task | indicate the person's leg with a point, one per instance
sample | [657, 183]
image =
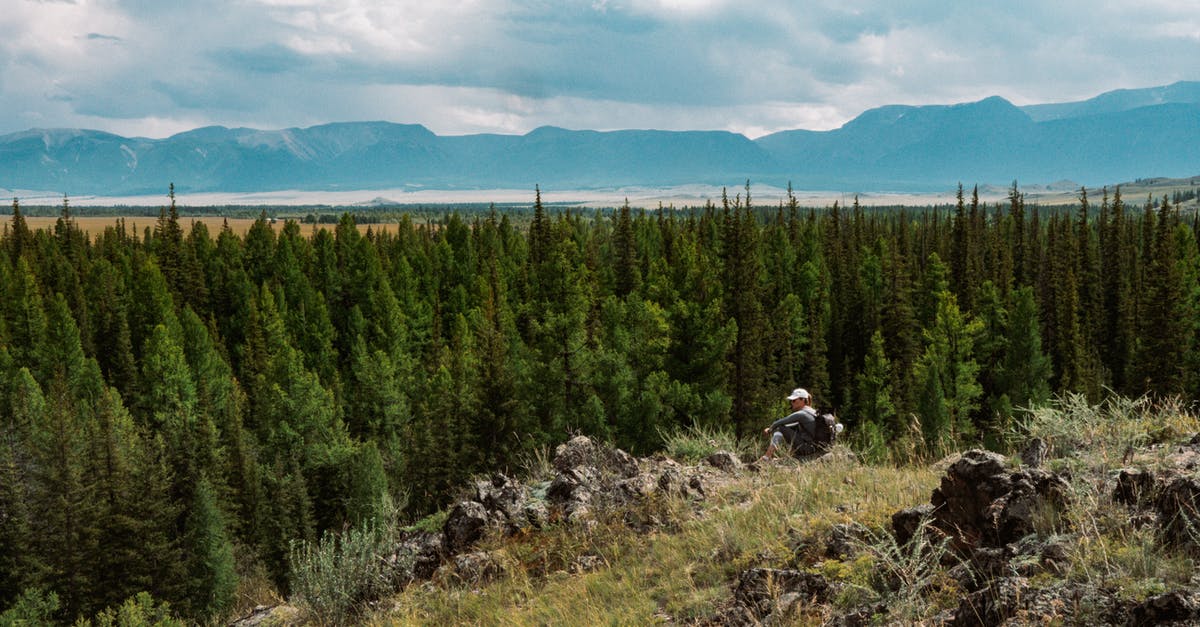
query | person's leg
[776, 440]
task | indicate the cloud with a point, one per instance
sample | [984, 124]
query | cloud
[513, 65]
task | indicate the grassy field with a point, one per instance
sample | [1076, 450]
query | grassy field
[95, 225]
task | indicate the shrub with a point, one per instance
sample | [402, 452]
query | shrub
[334, 577]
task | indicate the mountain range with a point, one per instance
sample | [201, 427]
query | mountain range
[1116, 136]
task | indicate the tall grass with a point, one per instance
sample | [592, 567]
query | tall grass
[697, 442]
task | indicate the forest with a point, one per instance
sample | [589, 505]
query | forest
[181, 409]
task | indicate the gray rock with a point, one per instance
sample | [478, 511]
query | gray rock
[1180, 607]
[477, 568]
[416, 557]
[1134, 486]
[724, 460]
[270, 616]
[1034, 453]
[759, 589]
[465, 525]
[585, 564]
[980, 503]
[1177, 502]
[906, 522]
[670, 482]
[576, 452]
[841, 540]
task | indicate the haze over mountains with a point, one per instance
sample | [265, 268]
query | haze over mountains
[1114, 137]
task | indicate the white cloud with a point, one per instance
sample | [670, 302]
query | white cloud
[150, 68]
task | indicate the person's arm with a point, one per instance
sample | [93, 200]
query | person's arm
[786, 420]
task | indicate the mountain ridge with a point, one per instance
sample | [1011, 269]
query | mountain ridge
[1120, 135]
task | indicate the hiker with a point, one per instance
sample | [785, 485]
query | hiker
[798, 424]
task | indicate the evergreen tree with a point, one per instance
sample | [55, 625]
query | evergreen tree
[212, 579]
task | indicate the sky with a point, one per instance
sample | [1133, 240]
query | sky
[153, 68]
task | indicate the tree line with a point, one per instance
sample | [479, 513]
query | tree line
[177, 407]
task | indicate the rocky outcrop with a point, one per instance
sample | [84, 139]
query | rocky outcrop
[763, 592]
[471, 569]
[1168, 496]
[1173, 608]
[589, 477]
[270, 616]
[981, 503]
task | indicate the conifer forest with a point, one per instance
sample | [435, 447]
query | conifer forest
[180, 408]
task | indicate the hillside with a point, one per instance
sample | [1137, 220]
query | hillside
[1090, 524]
[1113, 137]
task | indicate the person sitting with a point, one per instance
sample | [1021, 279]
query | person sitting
[796, 428]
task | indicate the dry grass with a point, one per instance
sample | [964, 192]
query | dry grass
[95, 225]
[681, 575]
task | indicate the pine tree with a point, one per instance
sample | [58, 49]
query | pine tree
[949, 357]
[212, 579]
[1163, 331]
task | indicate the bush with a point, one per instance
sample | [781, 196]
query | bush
[137, 611]
[334, 577]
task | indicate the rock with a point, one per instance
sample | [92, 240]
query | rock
[724, 460]
[840, 544]
[1178, 607]
[759, 589]
[576, 452]
[1133, 486]
[269, 616]
[1033, 493]
[585, 564]
[536, 514]
[906, 522]
[477, 568]
[569, 493]
[465, 525]
[638, 487]
[505, 500]
[1034, 453]
[980, 503]
[1177, 502]
[991, 605]
[670, 482]
[581, 451]
[967, 491]
[416, 557]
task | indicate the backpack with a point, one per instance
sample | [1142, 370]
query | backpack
[824, 431]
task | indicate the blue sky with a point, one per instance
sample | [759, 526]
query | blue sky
[154, 68]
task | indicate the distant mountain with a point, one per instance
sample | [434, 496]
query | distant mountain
[1116, 136]
[1183, 92]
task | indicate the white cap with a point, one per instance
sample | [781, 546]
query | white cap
[798, 393]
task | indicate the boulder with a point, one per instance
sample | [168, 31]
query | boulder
[980, 503]
[1177, 607]
[724, 460]
[841, 541]
[1177, 502]
[416, 557]
[580, 451]
[510, 504]
[270, 616]
[464, 526]
[476, 568]
[1133, 486]
[576, 452]
[906, 522]
[759, 590]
